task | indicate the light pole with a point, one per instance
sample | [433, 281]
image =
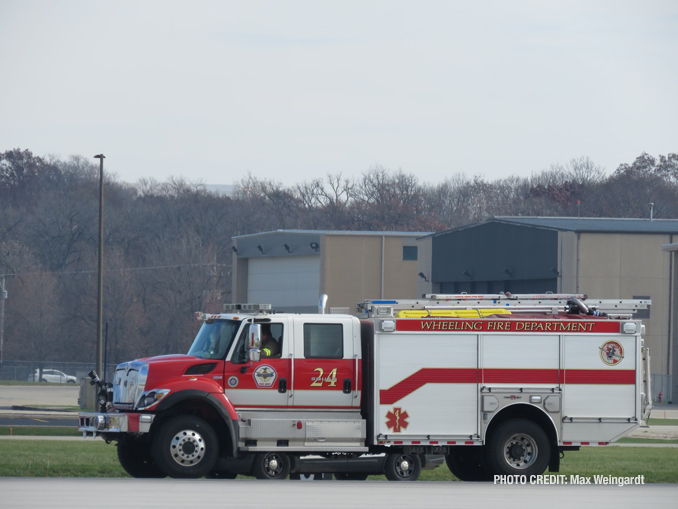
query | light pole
[100, 296]
[3, 296]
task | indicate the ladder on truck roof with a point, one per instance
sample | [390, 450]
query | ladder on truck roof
[548, 303]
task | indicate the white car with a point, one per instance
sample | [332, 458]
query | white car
[52, 375]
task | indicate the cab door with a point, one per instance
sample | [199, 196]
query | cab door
[263, 384]
[325, 365]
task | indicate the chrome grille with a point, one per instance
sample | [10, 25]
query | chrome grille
[129, 383]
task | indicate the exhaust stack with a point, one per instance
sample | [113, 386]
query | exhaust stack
[322, 302]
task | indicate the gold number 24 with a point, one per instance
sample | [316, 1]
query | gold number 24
[331, 378]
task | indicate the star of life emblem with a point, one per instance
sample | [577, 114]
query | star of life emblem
[396, 419]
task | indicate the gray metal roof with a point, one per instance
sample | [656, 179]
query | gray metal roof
[584, 224]
[596, 224]
[338, 232]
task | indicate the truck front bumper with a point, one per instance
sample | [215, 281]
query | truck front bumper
[91, 423]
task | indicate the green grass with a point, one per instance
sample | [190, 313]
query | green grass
[26, 458]
[65, 431]
[658, 465]
[662, 422]
[95, 458]
[627, 440]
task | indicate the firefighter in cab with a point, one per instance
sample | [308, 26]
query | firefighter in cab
[269, 345]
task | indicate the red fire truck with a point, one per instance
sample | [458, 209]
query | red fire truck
[497, 384]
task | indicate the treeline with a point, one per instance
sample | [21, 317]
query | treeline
[168, 244]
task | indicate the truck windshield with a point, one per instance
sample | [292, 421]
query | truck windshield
[214, 339]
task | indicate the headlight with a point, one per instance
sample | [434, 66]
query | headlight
[150, 398]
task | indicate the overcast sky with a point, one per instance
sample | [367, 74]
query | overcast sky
[293, 90]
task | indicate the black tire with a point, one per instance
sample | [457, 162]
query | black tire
[271, 465]
[518, 447]
[221, 474]
[135, 457]
[352, 476]
[468, 464]
[402, 467]
[70, 382]
[43, 380]
[185, 447]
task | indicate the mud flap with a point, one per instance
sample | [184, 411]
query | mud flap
[554, 462]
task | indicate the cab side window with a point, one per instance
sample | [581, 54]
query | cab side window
[323, 340]
[241, 350]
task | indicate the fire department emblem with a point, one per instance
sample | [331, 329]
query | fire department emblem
[611, 353]
[233, 381]
[396, 419]
[265, 376]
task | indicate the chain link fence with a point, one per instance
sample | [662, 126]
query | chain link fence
[25, 370]
[661, 383]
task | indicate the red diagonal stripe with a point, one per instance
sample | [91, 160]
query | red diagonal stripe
[427, 376]
[507, 376]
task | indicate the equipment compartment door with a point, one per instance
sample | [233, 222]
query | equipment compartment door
[428, 384]
[324, 365]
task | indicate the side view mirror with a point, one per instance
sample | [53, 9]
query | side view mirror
[255, 342]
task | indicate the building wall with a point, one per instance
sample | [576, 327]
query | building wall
[567, 262]
[239, 279]
[351, 269]
[485, 251]
[425, 266]
[623, 266]
[400, 276]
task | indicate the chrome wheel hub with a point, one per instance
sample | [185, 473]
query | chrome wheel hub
[404, 466]
[520, 451]
[187, 447]
[273, 465]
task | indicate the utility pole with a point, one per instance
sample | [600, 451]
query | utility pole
[100, 296]
[3, 296]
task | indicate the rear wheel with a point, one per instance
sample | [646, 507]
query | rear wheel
[186, 447]
[135, 457]
[468, 464]
[518, 447]
[271, 465]
[402, 467]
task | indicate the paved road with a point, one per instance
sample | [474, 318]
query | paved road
[104, 493]
[43, 395]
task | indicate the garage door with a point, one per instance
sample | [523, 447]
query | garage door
[284, 282]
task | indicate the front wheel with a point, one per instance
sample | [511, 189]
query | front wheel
[186, 447]
[402, 467]
[271, 465]
[135, 458]
[518, 447]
